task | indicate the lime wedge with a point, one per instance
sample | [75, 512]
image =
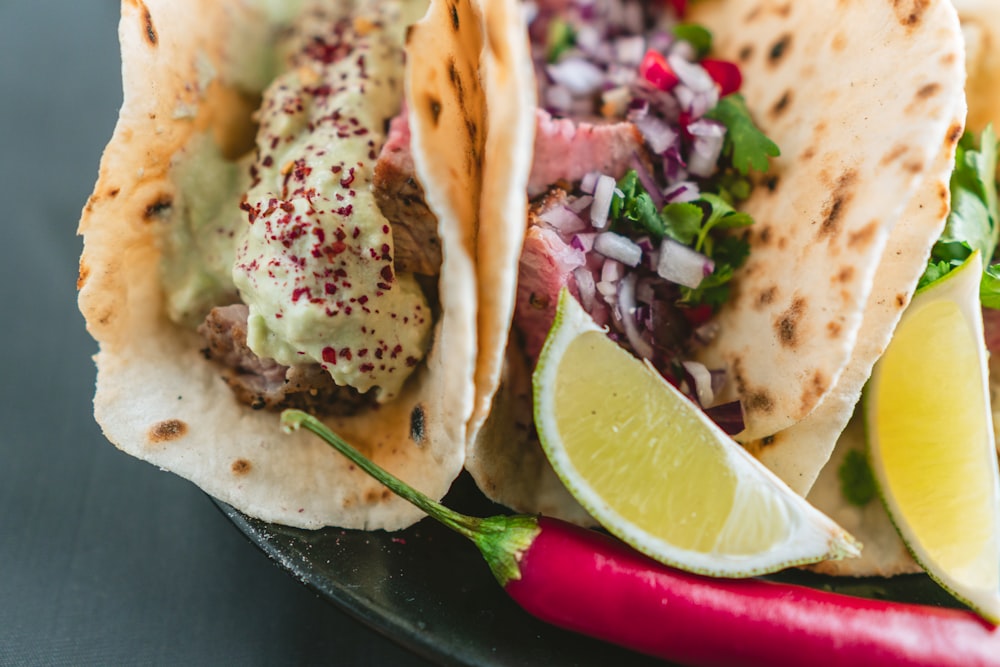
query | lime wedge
[659, 474]
[930, 438]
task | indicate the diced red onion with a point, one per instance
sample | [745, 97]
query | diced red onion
[559, 98]
[617, 247]
[696, 102]
[612, 271]
[607, 290]
[718, 379]
[648, 182]
[728, 416]
[589, 182]
[588, 37]
[604, 190]
[690, 73]
[629, 50]
[706, 147]
[627, 307]
[682, 265]
[683, 49]
[580, 76]
[684, 191]
[579, 204]
[564, 220]
[586, 286]
[657, 133]
[644, 292]
[702, 380]
[583, 241]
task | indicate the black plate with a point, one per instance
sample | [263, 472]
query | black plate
[428, 589]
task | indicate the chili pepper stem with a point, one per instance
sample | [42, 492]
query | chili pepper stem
[501, 539]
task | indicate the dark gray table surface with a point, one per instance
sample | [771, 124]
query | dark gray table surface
[105, 560]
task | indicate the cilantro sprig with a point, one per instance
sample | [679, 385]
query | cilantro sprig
[746, 147]
[696, 224]
[973, 220]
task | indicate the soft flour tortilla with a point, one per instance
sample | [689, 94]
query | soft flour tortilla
[884, 553]
[185, 70]
[861, 132]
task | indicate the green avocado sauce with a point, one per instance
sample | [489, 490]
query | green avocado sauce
[294, 231]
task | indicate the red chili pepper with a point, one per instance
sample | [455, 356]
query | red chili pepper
[725, 73]
[587, 582]
[655, 69]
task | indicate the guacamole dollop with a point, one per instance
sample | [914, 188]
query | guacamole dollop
[315, 262]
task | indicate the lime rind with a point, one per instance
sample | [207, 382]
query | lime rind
[808, 535]
[961, 287]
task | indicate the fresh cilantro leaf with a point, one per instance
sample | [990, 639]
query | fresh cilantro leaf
[697, 36]
[745, 145]
[974, 220]
[682, 221]
[857, 484]
[635, 207]
[721, 215]
[561, 37]
[989, 287]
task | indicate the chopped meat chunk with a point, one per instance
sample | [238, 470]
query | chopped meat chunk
[264, 383]
[401, 199]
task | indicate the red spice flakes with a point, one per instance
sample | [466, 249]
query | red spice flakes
[366, 368]
[330, 288]
[346, 353]
[347, 180]
[386, 274]
[329, 355]
[300, 292]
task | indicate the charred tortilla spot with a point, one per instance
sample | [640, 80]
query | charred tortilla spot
[81, 277]
[814, 390]
[894, 154]
[808, 153]
[910, 12]
[833, 329]
[150, 30]
[928, 90]
[753, 14]
[455, 24]
[167, 430]
[836, 205]
[845, 274]
[241, 467]
[954, 133]
[434, 106]
[765, 234]
[766, 296]
[157, 207]
[417, 424]
[759, 401]
[767, 440]
[864, 235]
[839, 42]
[781, 104]
[901, 300]
[944, 197]
[771, 182]
[779, 48]
[787, 324]
[745, 53]
[784, 10]
[456, 80]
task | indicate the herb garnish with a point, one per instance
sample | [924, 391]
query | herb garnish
[746, 146]
[857, 483]
[973, 220]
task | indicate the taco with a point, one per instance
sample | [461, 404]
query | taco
[844, 489]
[783, 306]
[248, 247]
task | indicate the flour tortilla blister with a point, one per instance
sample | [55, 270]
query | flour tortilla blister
[844, 221]
[191, 69]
